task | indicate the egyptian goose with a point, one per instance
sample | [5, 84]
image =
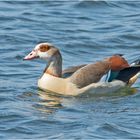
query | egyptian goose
[84, 79]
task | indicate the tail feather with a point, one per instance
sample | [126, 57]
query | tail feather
[136, 63]
[126, 74]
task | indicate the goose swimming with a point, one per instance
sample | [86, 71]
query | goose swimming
[86, 78]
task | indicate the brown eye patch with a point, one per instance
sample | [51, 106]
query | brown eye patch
[44, 48]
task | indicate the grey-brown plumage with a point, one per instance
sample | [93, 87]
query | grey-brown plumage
[91, 73]
[69, 71]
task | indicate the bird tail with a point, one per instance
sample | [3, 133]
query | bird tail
[129, 75]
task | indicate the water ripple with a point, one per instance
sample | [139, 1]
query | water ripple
[84, 31]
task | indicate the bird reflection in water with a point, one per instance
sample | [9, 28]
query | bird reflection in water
[48, 102]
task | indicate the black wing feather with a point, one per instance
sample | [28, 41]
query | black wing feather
[126, 74]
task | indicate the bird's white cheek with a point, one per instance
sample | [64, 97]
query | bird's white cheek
[43, 55]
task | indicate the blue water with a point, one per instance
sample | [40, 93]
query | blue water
[84, 31]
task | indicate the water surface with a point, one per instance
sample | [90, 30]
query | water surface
[84, 31]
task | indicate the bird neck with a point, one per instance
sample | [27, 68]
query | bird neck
[55, 66]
